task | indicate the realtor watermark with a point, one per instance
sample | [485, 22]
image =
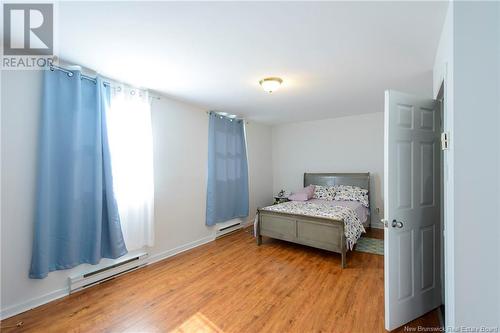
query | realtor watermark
[452, 329]
[28, 35]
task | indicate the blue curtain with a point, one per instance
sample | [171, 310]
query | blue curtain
[76, 217]
[227, 186]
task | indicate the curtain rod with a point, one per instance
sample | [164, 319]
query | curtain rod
[86, 77]
[225, 114]
[70, 74]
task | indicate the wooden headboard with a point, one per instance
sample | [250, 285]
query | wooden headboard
[354, 179]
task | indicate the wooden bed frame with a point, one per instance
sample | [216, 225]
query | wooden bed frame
[322, 233]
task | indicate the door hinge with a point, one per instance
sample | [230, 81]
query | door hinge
[445, 141]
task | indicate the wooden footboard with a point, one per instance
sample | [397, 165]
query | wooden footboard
[312, 231]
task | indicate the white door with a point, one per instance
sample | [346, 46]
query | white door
[412, 207]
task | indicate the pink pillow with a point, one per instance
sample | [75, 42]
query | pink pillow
[303, 195]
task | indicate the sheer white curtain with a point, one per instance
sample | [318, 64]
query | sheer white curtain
[131, 146]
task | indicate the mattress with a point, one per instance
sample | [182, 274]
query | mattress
[314, 207]
[361, 211]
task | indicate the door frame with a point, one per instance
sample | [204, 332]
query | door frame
[448, 195]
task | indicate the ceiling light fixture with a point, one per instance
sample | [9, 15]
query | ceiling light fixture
[271, 84]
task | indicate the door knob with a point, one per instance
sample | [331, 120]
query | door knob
[397, 224]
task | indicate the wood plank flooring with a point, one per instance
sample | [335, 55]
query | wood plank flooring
[230, 285]
[374, 233]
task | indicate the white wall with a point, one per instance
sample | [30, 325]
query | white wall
[470, 47]
[180, 134]
[347, 144]
[260, 159]
[476, 162]
[180, 146]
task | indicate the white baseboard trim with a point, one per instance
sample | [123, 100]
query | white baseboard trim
[170, 253]
[33, 303]
[248, 222]
[56, 294]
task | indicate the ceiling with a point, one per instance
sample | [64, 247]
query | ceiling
[336, 58]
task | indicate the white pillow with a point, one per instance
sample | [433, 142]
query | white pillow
[352, 193]
[324, 192]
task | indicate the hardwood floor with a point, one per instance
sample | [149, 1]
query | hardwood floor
[374, 233]
[230, 285]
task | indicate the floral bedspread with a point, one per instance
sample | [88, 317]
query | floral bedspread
[353, 228]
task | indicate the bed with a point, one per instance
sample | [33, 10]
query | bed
[317, 223]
